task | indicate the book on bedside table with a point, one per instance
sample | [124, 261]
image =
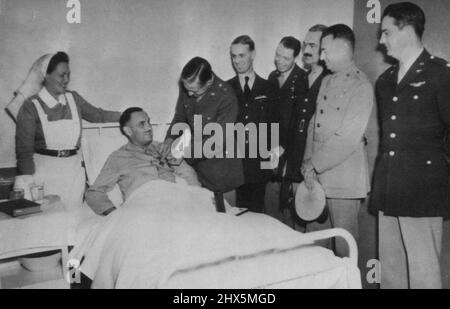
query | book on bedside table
[21, 207]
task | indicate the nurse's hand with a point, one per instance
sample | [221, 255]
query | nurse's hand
[165, 148]
[24, 182]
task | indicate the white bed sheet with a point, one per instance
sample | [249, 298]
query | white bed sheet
[165, 229]
[304, 267]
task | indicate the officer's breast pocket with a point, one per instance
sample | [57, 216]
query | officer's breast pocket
[262, 103]
[419, 95]
[337, 104]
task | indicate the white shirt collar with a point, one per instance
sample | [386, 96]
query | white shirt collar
[251, 80]
[49, 100]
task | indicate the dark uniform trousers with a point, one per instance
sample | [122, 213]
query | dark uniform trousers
[295, 110]
[255, 107]
[411, 189]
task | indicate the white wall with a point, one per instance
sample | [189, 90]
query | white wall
[130, 53]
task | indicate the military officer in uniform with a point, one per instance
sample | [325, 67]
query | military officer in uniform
[335, 152]
[411, 191]
[291, 83]
[256, 106]
[302, 115]
[202, 93]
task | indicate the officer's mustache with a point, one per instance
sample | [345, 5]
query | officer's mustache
[307, 55]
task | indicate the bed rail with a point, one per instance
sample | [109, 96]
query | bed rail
[337, 232]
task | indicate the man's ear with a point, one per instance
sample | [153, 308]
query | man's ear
[127, 131]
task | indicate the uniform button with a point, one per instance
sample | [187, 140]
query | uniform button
[301, 131]
[246, 105]
[429, 162]
[394, 117]
[246, 117]
[448, 65]
[321, 111]
[213, 94]
[416, 97]
[220, 85]
[306, 100]
[392, 153]
[304, 111]
[432, 57]
[395, 99]
[393, 135]
[318, 125]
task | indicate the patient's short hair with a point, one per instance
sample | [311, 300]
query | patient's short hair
[126, 116]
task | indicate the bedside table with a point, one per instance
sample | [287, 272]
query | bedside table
[36, 233]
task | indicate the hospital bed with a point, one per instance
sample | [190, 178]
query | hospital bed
[272, 257]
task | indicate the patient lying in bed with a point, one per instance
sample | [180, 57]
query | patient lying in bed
[135, 164]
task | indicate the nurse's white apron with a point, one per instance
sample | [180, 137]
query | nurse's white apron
[61, 176]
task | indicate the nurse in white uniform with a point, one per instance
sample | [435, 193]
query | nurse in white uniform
[48, 134]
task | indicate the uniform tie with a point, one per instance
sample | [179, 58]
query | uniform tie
[247, 90]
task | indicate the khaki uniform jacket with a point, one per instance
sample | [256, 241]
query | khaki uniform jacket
[336, 143]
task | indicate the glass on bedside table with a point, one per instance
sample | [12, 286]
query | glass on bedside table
[17, 194]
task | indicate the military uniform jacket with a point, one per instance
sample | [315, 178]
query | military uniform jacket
[292, 93]
[218, 105]
[335, 142]
[411, 176]
[302, 114]
[260, 108]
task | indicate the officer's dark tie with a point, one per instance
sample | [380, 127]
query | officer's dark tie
[247, 90]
